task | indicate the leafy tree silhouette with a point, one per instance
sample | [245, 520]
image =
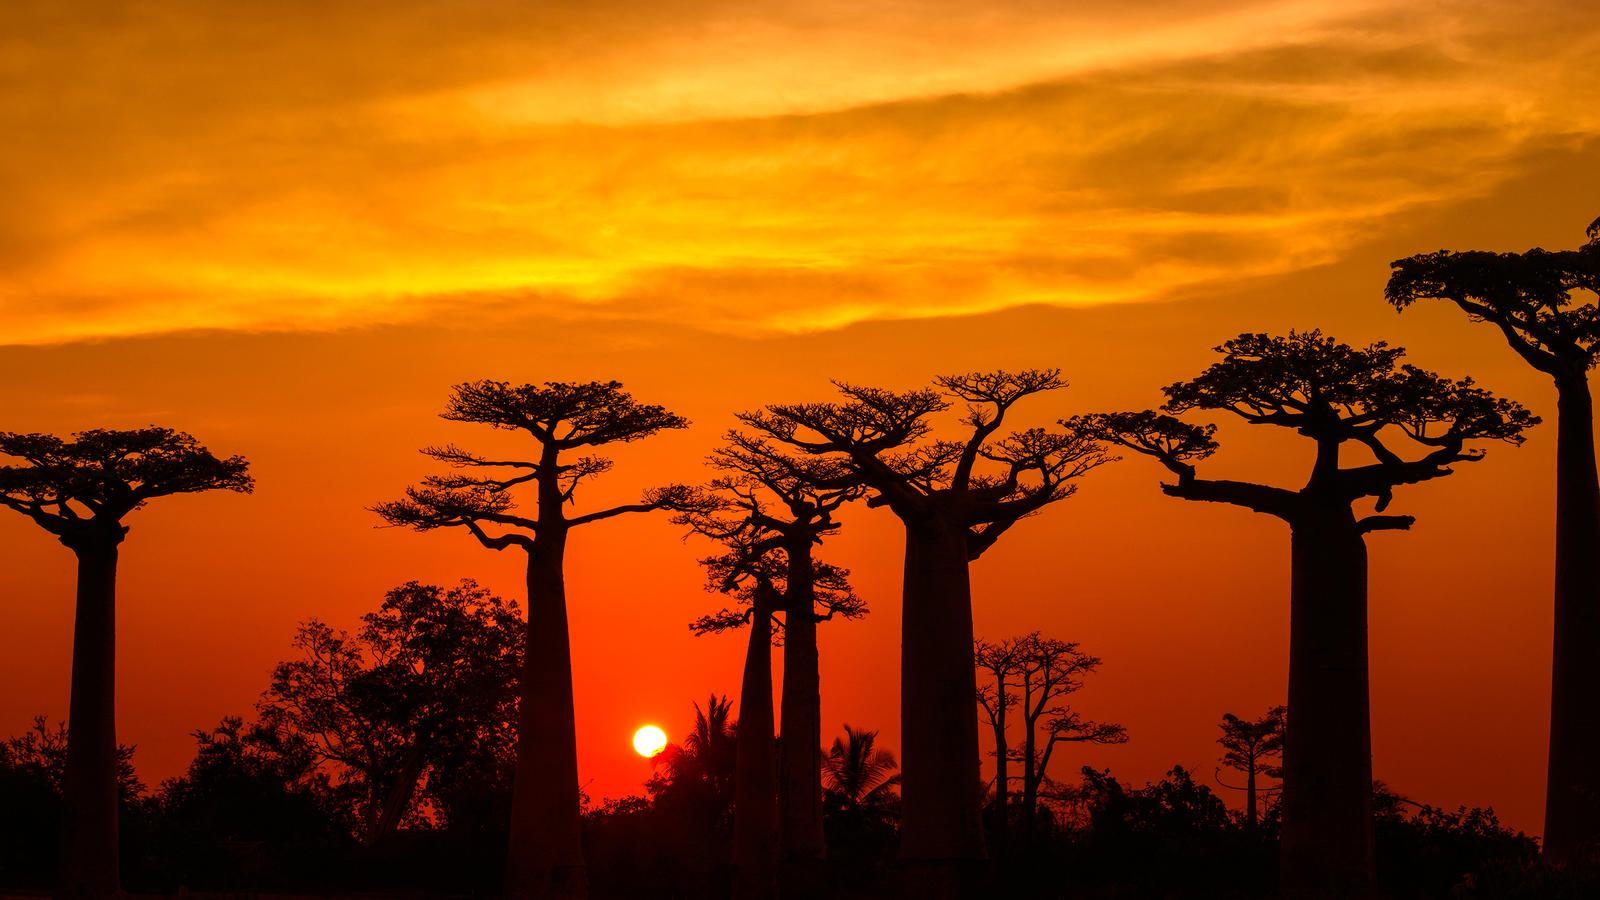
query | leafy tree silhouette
[860, 777]
[80, 490]
[1544, 304]
[1335, 395]
[1045, 671]
[1249, 747]
[774, 517]
[545, 857]
[952, 513]
[429, 676]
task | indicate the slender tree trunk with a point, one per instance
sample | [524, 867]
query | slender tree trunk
[1572, 802]
[1327, 847]
[545, 857]
[800, 751]
[941, 835]
[1030, 778]
[1002, 774]
[755, 790]
[1250, 796]
[89, 863]
[398, 798]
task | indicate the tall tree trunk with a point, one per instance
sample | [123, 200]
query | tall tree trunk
[1572, 802]
[545, 857]
[1002, 773]
[1327, 847]
[941, 835]
[398, 798]
[755, 790]
[800, 750]
[1250, 796]
[1030, 776]
[89, 864]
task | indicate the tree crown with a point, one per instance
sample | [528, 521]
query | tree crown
[880, 440]
[1333, 393]
[1536, 298]
[560, 417]
[98, 476]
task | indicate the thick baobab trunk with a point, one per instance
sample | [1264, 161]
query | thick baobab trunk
[941, 834]
[1327, 847]
[800, 751]
[545, 857]
[89, 864]
[755, 790]
[1572, 803]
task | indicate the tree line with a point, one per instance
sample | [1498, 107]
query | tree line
[786, 469]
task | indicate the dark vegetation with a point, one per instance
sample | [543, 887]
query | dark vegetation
[432, 750]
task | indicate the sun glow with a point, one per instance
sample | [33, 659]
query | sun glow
[649, 740]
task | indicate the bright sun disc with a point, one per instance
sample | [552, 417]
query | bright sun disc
[649, 740]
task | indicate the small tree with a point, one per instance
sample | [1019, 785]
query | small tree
[1544, 304]
[429, 678]
[1251, 749]
[1044, 672]
[80, 490]
[545, 857]
[953, 509]
[1337, 396]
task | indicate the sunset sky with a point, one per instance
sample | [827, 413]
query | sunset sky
[288, 228]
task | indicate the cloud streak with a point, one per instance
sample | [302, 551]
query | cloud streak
[804, 169]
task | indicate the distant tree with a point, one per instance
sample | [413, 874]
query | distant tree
[80, 490]
[33, 769]
[430, 677]
[1044, 672]
[545, 857]
[695, 780]
[860, 777]
[1543, 303]
[248, 783]
[953, 509]
[1335, 395]
[1250, 748]
[774, 516]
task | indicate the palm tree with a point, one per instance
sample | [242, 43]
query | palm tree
[859, 779]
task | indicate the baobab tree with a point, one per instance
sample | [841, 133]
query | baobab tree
[545, 857]
[1043, 672]
[955, 498]
[1337, 396]
[1543, 303]
[773, 517]
[80, 490]
[1252, 748]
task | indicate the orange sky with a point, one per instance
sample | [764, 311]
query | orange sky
[290, 234]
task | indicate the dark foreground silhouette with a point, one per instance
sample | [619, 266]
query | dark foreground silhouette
[254, 813]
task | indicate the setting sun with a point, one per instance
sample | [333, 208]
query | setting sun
[649, 740]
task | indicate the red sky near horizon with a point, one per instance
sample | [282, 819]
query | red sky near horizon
[289, 232]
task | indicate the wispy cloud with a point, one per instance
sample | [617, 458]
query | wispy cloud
[799, 169]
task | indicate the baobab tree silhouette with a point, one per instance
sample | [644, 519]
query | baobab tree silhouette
[545, 856]
[1335, 395]
[1043, 671]
[1530, 298]
[80, 490]
[774, 515]
[1250, 748]
[952, 513]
